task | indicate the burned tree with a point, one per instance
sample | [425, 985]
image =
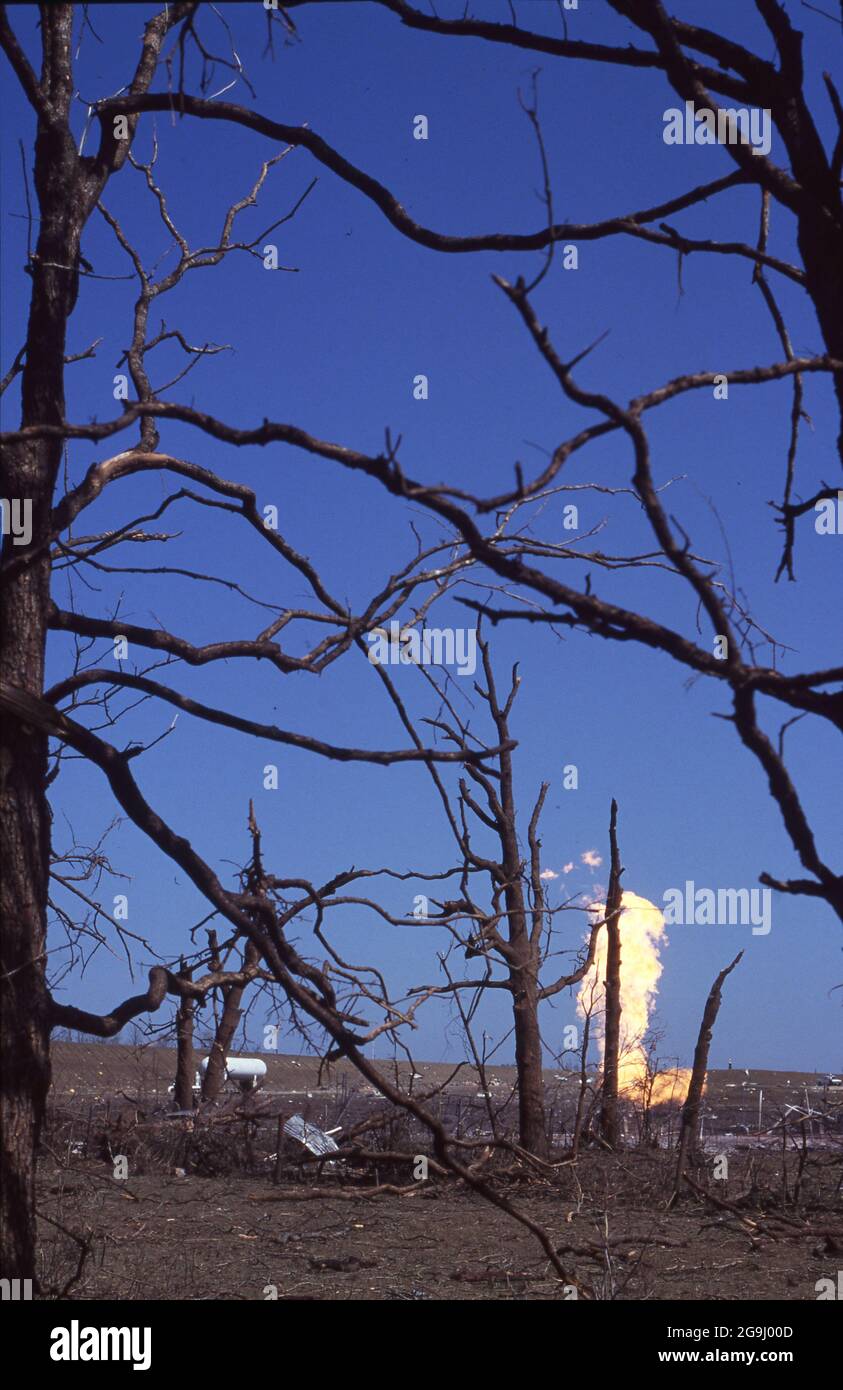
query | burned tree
[609, 1127]
[757, 678]
[70, 186]
[184, 1047]
[232, 995]
[512, 932]
[691, 1108]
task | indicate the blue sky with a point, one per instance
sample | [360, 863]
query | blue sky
[334, 348]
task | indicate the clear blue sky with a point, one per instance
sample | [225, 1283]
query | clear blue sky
[334, 349]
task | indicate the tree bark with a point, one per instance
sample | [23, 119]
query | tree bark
[691, 1108]
[532, 1124]
[67, 188]
[523, 966]
[609, 1127]
[184, 1048]
[29, 474]
[214, 1079]
[25, 855]
[583, 1089]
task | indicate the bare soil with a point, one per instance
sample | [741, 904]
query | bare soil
[225, 1230]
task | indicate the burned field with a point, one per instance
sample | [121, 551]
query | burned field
[211, 1208]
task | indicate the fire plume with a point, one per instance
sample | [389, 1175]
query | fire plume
[642, 930]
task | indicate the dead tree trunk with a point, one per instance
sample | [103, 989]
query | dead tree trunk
[532, 1125]
[691, 1108]
[67, 186]
[215, 1071]
[29, 474]
[523, 954]
[214, 1078]
[583, 1091]
[184, 1048]
[609, 1127]
[518, 904]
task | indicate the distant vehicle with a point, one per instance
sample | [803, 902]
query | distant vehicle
[832, 1080]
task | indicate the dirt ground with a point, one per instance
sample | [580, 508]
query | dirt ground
[200, 1238]
[200, 1216]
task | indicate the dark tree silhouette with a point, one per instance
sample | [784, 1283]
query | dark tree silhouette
[700, 65]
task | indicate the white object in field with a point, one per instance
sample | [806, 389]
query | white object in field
[243, 1071]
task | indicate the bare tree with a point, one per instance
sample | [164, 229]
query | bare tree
[513, 930]
[691, 1108]
[809, 192]
[609, 1127]
[69, 184]
[184, 1048]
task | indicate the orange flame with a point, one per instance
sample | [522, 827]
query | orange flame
[642, 929]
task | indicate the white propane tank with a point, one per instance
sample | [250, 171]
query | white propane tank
[244, 1071]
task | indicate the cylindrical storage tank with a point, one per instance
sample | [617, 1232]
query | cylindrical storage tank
[239, 1068]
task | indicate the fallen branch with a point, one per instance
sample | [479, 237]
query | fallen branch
[343, 1194]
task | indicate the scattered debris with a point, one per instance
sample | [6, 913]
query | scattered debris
[346, 1265]
[315, 1140]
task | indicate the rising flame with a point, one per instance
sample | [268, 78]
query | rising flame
[642, 928]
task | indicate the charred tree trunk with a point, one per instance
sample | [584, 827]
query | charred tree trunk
[691, 1108]
[25, 855]
[184, 1048]
[523, 956]
[214, 1079]
[28, 476]
[583, 1091]
[532, 1124]
[609, 1128]
[522, 949]
[67, 186]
